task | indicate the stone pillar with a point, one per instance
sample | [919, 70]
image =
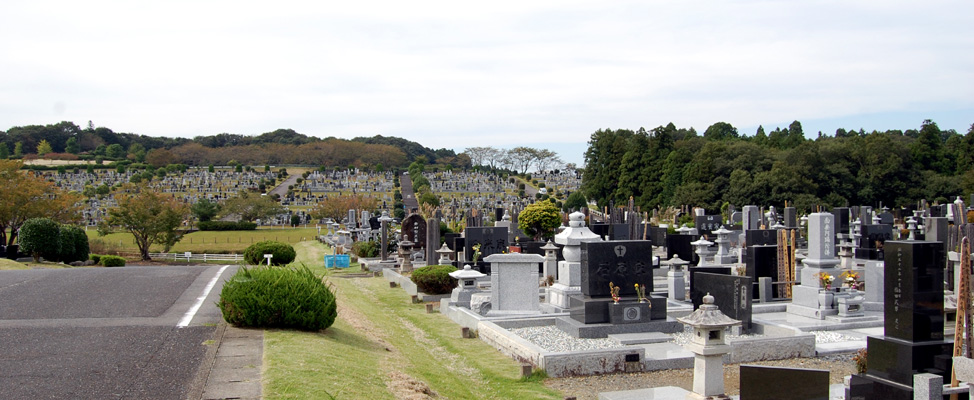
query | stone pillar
[752, 217]
[550, 267]
[675, 283]
[384, 220]
[570, 270]
[821, 259]
[432, 239]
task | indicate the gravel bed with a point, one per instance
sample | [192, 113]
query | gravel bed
[832, 337]
[553, 339]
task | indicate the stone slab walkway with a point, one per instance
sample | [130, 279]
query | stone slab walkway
[235, 373]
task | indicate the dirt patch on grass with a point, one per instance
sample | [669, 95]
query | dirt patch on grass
[404, 387]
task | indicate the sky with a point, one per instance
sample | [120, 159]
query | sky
[453, 74]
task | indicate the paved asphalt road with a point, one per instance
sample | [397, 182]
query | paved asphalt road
[105, 333]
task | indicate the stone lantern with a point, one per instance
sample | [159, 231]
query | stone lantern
[675, 282]
[570, 269]
[405, 250]
[708, 347]
[723, 247]
[466, 285]
[444, 253]
[550, 267]
[703, 250]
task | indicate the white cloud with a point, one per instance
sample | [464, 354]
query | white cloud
[452, 74]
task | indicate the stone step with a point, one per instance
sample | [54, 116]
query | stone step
[640, 338]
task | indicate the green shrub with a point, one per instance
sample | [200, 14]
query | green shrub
[39, 237]
[74, 244]
[283, 253]
[226, 226]
[366, 248]
[112, 261]
[95, 258]
[278, 297]
[434, 279]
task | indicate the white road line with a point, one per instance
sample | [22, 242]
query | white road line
[199, 300]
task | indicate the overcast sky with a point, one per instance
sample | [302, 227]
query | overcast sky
[458, 74]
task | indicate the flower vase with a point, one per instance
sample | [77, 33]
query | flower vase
[825, 299]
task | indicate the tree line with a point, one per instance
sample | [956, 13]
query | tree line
[669, 166]
[518, 159]
[283, 146]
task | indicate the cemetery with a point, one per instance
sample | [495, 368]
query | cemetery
[627, 295]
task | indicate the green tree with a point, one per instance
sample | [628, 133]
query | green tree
[149, 216]
[927, 149]
[721, 131]
[115, 151]
[71, 146]
[430, 198]
[251, 207]
[39, 238]
[137, 152]
[73, 244]
[539, 219]
[18, 150]
[204, 209]
[4, 151]
[575, 201]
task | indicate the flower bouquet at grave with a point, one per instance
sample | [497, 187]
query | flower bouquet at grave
[641, 293]
[825, 280]
[614, 291]
[476, 253]
[852, 280]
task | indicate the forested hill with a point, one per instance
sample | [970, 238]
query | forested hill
[282, 146]
[667, 166]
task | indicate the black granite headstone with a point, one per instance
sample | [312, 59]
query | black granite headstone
[706, 224]
[914, 290]
[450, 240]
[657, 235]
[841, 219]
[492, 240]
[679, 245]
[619, 232]
[762, 261]
[871, 241]
[624, 263]
[938, 211]
[374, 223]
[759, 382]
[696, 295]
[731, 295]
[600, 229]
[885, 218]
[760, 237]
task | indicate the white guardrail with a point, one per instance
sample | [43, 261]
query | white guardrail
[197, 257]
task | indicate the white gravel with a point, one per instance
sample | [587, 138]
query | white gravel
[832, 337]
[553, 339]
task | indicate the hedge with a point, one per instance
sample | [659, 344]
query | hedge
[434, 279]
[283, 253]
[226, 226]
[278, 297]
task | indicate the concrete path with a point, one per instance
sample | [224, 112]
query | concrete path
[235, 371]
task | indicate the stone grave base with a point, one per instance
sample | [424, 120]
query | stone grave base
[559, 296]
[844, 320]
[597, 331]
[811, 312]
[873, 306]
[871, 387]
[665, 392]
[587, 310]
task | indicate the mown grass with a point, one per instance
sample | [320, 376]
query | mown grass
[380, 333]
[211, 241]
[7, 264]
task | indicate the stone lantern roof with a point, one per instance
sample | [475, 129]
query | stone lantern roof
[702, 242]
[723, 231]
[466, 273]
[708, 316]
[549, 246]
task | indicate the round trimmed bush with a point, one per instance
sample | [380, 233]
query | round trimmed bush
[434, 279]
[39, 237]
[278, 298]
[74, 244]
[95, 258]
[283, 253]
[112, 261]
[366, 249]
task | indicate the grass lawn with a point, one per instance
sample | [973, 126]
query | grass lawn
[384, 347]
[211, 241]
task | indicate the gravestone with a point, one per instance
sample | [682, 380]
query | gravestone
[696, 295]
[913, 326]
[449, 239]
[937, 230]
[492, 240]
[679, 246]
[623, 263]
[841, 219]
[657, 235]
[414, 230]
[871, 241]
[374, 223]
[886, 218]
[752, 217]
[806, 299]
[875, 278]
[760, 382]
[432, 239]
[762, 262]
[731, 293]
[761, 237]
[791, 217]
[938, 211]
[706, 224]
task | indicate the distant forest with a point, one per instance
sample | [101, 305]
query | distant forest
[283, 146]
[667, 166]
